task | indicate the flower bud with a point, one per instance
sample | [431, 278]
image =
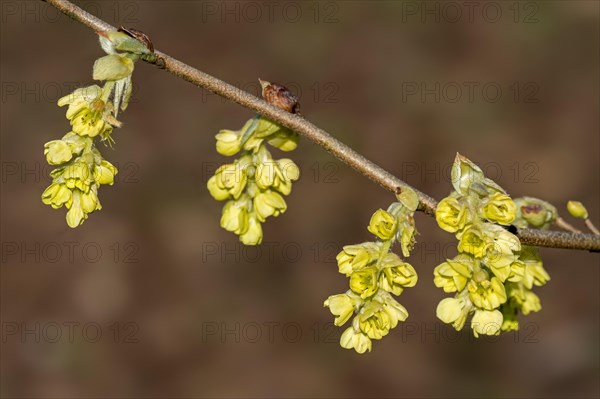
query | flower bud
[534, 212]
[576, 209]
[464, 173]
[408, 198]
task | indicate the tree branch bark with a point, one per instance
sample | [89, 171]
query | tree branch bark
[554, 239]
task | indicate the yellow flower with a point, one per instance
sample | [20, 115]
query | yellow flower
[268, 203]
[254, 234]
[486, 322]
[502, 251]
[517, 271]
[263, 129]
[486, 293]
[407, 235]
[230, 179]
[396, 274]
[534, 274]
[364, 281]
[353, 339]
[453, 311]
[229, 142]
[289, 173]
[215, 189]
[500, 208]
[531, 303]
[383, 224]
[451, 215]
[267, 173]
[355, 257]
[266, 128]
[89, 122]
[80, 99]
[104, 173]
[56, 195]
[87, 112]
[342, 306]
[78, 175]
[453, 275]
[276, 174]
[76, 215]
[234, 217]
[78, 143]
[376, 319]
[395, 310]
[57, 152]
[474, 242]
[285, 140]
[89, 201]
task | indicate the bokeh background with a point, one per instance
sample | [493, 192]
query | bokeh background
[151, 298]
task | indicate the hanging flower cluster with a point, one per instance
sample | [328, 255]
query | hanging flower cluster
[92, 112]
[255, 183]
[493, 274]
[375, 274]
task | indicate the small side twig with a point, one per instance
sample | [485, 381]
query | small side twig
[562, 223]
[591, 226]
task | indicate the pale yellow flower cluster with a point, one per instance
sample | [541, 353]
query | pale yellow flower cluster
[493, 274]
[254, 184]
[81, 169]
[375, 273]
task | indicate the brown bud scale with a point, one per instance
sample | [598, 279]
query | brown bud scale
[138, 35]
[280, 96]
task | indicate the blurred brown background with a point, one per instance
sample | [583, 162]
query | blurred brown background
[151, 298]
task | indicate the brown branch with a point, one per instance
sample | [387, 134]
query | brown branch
[321, 137]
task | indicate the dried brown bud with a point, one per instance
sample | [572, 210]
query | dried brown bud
[280, 96]
[138, 35]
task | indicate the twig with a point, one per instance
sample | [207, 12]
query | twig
[321, 137]
[591, 226]
[562, 223]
